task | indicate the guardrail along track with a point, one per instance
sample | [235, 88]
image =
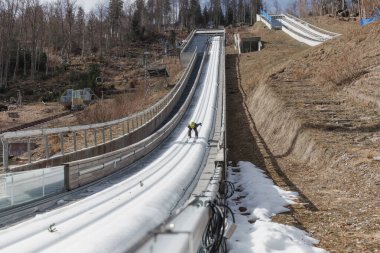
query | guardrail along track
[95, 139]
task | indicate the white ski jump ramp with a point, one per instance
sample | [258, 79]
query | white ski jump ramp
[113, 219]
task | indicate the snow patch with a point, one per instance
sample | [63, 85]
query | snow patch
[255, 201]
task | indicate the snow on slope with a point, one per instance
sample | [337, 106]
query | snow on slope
[255, 232]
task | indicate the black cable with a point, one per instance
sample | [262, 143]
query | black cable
[224, 246]
[229, 209]
[229, 189]
[213, 239]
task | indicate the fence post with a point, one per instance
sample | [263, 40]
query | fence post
[43, 182]
[85, 138]
[75, 140]
[95, 143]
[12, 192]
[46, 146]
[5, 154]
[29, 152]
[62, 143]
[71, 175]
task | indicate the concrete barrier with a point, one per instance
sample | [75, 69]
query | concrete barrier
[134, 136]
[85, 171]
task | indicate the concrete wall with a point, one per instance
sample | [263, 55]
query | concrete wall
[126, 140]
[85, 171]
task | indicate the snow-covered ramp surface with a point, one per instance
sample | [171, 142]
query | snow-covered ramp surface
[113, 219]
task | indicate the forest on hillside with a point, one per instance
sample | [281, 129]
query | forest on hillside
[36, 36]
[303, 8]
[38, 40]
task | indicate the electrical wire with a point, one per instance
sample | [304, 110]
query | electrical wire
[213, 240]
[213, 237]
[229, 189]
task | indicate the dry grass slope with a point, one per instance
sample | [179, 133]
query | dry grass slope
[317, 110]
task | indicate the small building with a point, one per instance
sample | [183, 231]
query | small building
[250, 44]
[77, 99]
[247, 43]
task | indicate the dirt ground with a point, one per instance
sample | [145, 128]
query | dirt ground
[120, 74]
[27, 113]
[310, 117]
[334, 24]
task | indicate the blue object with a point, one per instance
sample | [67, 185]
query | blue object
[266, 16]
[366, 21]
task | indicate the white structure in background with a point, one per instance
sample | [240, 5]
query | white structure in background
[297, 28]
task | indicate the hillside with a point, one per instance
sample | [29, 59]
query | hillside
[314, 126]
[124, 87]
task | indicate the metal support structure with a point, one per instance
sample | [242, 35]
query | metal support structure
[46, 140]
[95, 141]
[29, 151]
[12, 191]
[85, 138]
[43, 183]
[75, 140]
[62, 143]
[5, 155]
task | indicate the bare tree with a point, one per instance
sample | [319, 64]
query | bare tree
[101, 14]
[70, 18]
[302, 5]
[276, 6]
[8, 34]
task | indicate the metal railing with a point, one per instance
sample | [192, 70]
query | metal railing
[266, 16]
[67, 141]
[187, 41]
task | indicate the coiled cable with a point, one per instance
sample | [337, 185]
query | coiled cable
[229, 189]
[213, 238]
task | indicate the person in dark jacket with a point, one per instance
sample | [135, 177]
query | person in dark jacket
[193, 126]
